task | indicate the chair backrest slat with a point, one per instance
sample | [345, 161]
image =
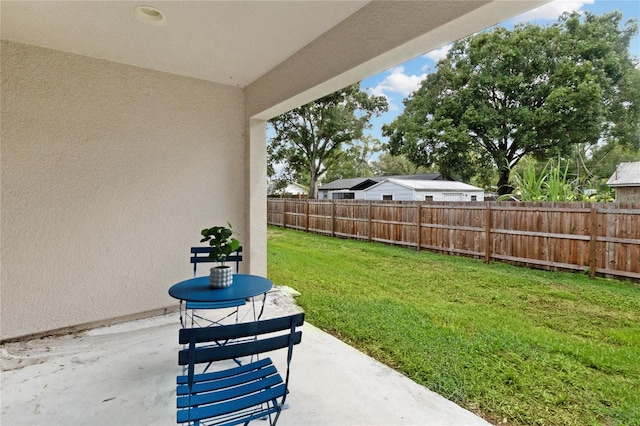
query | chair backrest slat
[237, 331]
[238, 350]
[201, 255]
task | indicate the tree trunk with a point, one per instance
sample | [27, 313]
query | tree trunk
[503, 182]
[313, 186]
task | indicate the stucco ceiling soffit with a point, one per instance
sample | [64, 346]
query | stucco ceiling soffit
[378, 36]
[228, 42]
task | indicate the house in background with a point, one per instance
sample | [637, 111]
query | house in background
[626, 181]
[296, 189]
[353, 189]
[345, 189]
[292, 189]
[423, 190]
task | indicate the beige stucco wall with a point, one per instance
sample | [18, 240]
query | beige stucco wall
[108, 174]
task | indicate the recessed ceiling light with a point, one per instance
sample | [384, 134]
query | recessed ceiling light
[150, 15]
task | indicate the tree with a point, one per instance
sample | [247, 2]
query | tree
[280, 175]
[501, 95]
[603, 160]
[394, 165]
[355, 159]
[310, 137]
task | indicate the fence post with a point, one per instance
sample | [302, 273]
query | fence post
[592, 241]
[306, 228]
[333, 218]
[284, 214]
[487, 237]
[370, 221]
[419, 228]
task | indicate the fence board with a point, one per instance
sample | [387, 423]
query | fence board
[602, 238]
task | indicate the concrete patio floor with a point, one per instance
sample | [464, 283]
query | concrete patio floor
[125, 375]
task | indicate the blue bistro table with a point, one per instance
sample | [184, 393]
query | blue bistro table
[197, 294]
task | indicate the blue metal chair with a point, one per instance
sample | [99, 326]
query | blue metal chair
[242, 393]
[201, 255]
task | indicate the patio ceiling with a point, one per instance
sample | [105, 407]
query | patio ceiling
[228, 42]
[238, 42]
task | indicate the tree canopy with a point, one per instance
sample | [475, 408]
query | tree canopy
[501, 95]
[394, 165]
[310, 138]
[354, 160]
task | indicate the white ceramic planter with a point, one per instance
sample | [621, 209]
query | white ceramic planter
[221, 277]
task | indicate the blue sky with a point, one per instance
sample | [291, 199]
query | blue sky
[398, 82]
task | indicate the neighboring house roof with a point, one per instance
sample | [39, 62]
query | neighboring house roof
[626, 174]
[344, 183]
[365, 184]
[431, 185]
[292, 188]
[356, 184]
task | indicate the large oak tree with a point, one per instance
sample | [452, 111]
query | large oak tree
[310, 138]
[501, 95]
[355, 160]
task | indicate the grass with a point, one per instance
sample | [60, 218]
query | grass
[514, 345]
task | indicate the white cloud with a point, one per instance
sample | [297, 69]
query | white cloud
[398, 82]
[438, 54]
[393, 107]
[552, 10]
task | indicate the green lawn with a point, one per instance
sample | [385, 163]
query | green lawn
[515, 345]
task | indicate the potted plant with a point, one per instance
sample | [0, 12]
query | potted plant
[222, 244]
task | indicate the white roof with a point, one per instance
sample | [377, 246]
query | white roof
[626, 174]
[296, 188]
[431, 185]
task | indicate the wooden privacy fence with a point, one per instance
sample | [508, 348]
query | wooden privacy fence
[601, 238]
